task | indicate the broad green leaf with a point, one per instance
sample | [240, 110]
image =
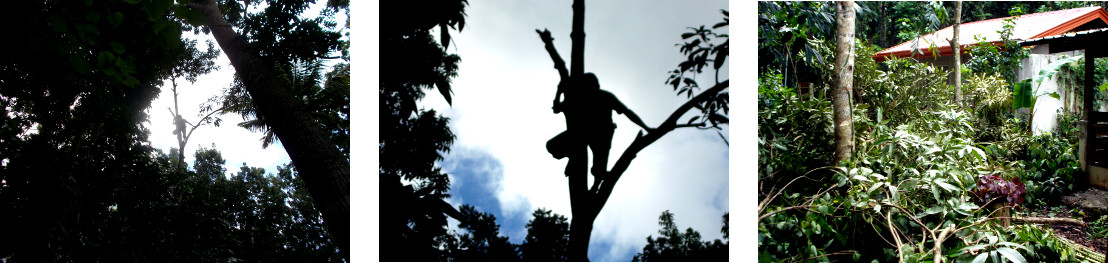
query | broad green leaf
[116, 19]
[1012, 254]
[981, 258]
[967, 206]
[131, 81]
[930, 211]
[935, 192]
[980, 154]
[861, 178]
[945, 185]
[874, 187]
[78, 63]
[105, 58]
[910, 184]
[117, 47]
[973, 247]
[1010, 244]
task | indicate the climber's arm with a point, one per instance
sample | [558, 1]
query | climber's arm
[622, 109]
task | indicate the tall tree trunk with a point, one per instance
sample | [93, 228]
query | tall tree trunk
[180, 132]
[325, 171]
[844, 80]
[957, 53]
[580, 229]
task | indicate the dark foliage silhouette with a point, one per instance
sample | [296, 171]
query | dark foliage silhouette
[259, 44]
[79, 181]
[72, 99]
[325, 96]
[672, 245]
[482, 242]
[547, 237]
[413, 189]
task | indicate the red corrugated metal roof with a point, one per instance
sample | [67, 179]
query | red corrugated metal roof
[1026, 27]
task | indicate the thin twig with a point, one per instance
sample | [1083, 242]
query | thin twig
[840, 253]
[764, 203]
[783, 210]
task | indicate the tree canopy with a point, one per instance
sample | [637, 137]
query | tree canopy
[79, 180]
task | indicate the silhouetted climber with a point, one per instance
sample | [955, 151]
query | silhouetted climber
[591, 107]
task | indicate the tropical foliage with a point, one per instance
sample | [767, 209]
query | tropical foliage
[919, 164]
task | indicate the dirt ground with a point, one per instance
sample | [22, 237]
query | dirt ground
[1091, 204]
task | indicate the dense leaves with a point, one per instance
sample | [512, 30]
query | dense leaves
[1001, 58]
[413, 188]
[912, 181]
[483, 241]
[251, 215]
[787, 35]
[324, 96]
[259, 44]
[73, 98]
[79, 181]
[673, 245]
[281, 32]
[704, 50]
[547, 237]
[1050, 165]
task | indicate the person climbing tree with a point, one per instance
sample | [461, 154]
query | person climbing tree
[594, 106]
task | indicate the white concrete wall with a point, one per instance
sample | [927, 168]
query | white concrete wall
[1046, 107]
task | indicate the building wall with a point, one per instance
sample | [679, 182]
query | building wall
[1045, 117]
[1046, 107]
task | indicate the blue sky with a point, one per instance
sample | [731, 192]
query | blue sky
[502, 118]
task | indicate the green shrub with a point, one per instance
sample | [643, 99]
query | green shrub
[1049, 165]
[917, 158]
[988, 97]
[794, 135]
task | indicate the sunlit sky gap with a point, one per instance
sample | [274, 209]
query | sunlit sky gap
[237, 144]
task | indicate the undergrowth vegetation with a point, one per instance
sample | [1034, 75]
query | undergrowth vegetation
[908, 193]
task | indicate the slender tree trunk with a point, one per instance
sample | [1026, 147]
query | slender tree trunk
[180, 133]
[844, 77]
[325, 171]
[957, 53]
[580, 229]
